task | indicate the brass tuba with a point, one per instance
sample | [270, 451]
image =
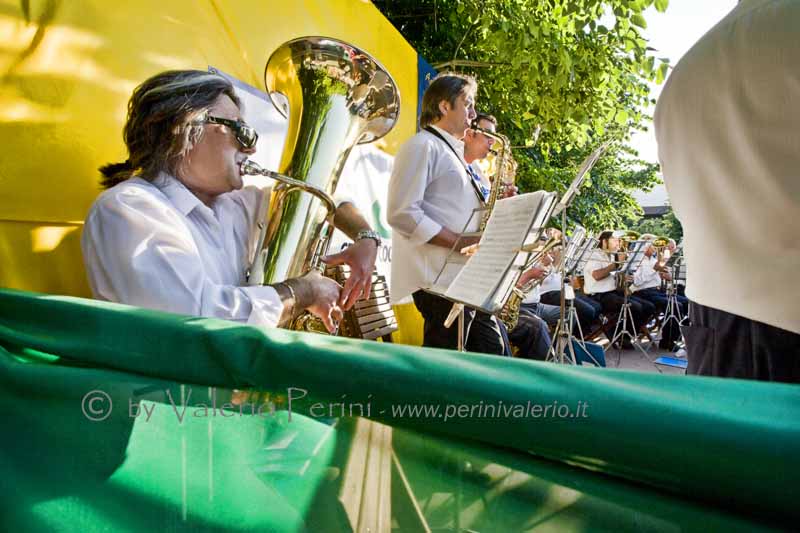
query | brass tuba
[338, 96]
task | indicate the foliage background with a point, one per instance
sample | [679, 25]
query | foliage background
[561, 76]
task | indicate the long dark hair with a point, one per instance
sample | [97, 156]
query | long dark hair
[162, 122]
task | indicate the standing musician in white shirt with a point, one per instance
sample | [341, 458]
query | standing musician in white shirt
[174, 230]
[431, 197]
[727, 126]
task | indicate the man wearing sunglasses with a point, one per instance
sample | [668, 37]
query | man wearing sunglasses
[174, 230]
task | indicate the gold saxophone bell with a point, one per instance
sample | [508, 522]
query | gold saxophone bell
[509, 314]
[338, 96]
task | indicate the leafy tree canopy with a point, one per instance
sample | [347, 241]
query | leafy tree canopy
[561, 76]
[667, 225]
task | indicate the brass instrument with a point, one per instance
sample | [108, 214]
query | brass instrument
[338, 96]
[509, 314]
[624, 243]
[505, 173]
[660, 243]
[627, 239]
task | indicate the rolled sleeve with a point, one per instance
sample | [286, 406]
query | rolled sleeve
[425, 231]
[406, 193]
[267, 306]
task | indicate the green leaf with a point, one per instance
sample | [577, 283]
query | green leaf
[639, 20]
[661, 75]
[661, 5]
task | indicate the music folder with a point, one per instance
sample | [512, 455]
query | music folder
[488, 276]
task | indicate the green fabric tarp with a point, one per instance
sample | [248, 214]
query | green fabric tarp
[729, 446]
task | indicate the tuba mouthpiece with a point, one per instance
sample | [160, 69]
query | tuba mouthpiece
[248, 167]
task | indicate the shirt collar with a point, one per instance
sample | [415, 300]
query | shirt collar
[455, 143]
[182, 198]
[458, 146]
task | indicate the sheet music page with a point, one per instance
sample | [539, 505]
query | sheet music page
[509, 224]
[635, 256]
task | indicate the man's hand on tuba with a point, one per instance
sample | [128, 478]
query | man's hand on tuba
[360, 257]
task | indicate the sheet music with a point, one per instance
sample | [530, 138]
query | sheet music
[635, 255]
[487, 271]
[582, 256]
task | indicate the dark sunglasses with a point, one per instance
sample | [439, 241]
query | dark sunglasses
[246, 135]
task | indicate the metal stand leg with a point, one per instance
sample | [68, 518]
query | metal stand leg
[461, 329]
[621, 330]
[673, 311]
[563, 342]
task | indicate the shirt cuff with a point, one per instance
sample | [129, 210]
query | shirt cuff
[266, 306]
[425, 231]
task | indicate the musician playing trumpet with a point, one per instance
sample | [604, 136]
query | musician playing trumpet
[646, 285]
[174, 230]
[600, 283]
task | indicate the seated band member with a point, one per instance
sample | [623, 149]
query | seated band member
[586, 309]
[647, 286]
[175, 227]
[601, 285]
[430, 199]
[680, 284]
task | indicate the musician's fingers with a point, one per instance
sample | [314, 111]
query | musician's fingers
[345, 295]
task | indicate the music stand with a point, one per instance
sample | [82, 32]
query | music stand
[634, 259]
[502, 257]
[673, 309]
[561, 208]
[578, 249]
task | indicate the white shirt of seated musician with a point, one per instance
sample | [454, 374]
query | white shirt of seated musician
[601, 263]
[647, 276]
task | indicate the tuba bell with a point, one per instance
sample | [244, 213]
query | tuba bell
[338, 96]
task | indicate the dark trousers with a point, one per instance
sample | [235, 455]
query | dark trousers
[531, 336]
[587, 310]
[612, 301]
[481, 330]
[727, 345]
[670, 333]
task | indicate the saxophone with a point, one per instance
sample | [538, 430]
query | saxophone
[505, 173]
[509, 314]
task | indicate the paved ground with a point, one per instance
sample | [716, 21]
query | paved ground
[634, 359]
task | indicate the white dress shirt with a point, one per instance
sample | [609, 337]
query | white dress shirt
[552, 282]
[156, 245]
[646, 276]
[429, 189]
[728, 131]
[599, 259]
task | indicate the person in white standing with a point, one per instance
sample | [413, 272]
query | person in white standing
[727, 126]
